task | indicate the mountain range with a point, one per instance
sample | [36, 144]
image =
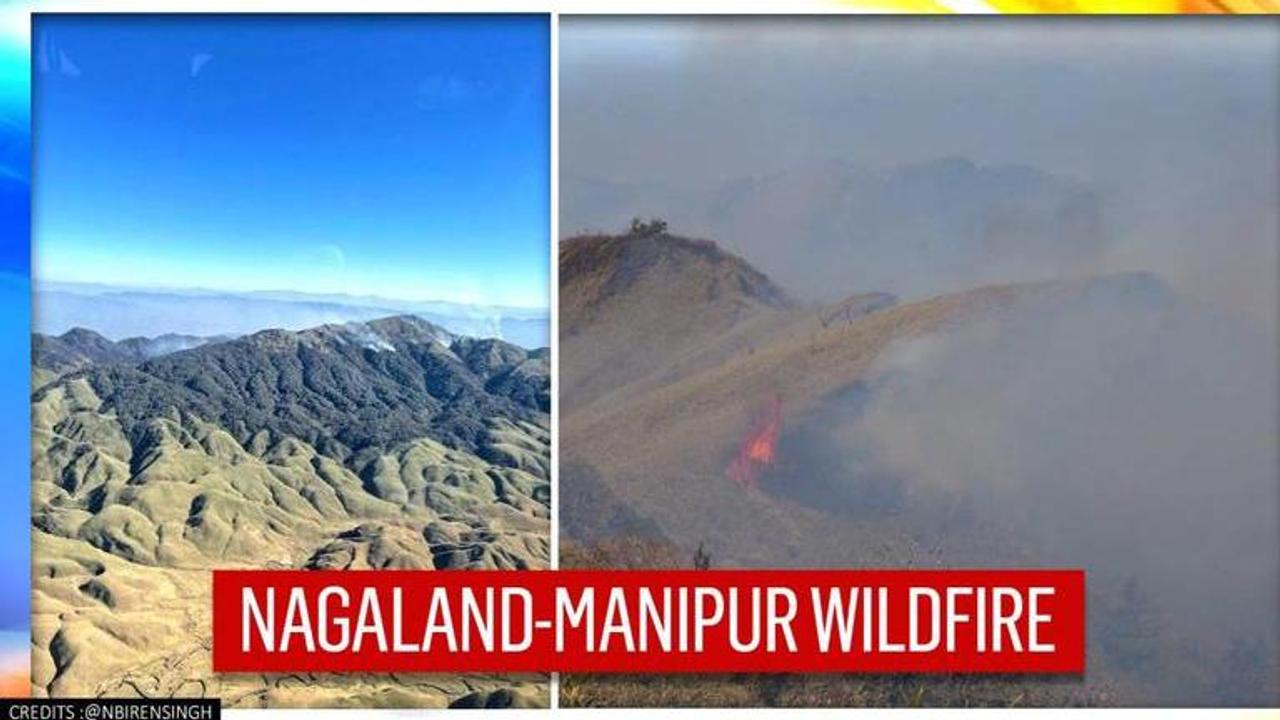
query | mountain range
[124, 312]
[392, 443]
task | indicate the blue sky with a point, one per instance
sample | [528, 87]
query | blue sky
[401, 156]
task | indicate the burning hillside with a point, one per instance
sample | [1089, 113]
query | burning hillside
[759, 448]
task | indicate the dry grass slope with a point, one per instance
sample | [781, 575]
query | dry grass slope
[663, 378]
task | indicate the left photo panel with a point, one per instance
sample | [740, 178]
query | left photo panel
[290, 301]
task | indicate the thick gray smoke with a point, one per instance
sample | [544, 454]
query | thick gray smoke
[1126, 431]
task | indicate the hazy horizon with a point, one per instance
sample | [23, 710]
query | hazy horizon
[795, 142]
[276, 292]
[121, 312]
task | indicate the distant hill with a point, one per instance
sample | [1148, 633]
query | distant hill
[80, 347]
[825, 229]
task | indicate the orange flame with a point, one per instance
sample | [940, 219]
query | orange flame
[758, 449]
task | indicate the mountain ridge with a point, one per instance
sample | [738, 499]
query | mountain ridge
[402, 377]
[666, 288]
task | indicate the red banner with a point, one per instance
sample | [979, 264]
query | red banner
[927, 621]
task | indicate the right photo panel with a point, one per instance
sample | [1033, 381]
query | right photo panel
[848, 292]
